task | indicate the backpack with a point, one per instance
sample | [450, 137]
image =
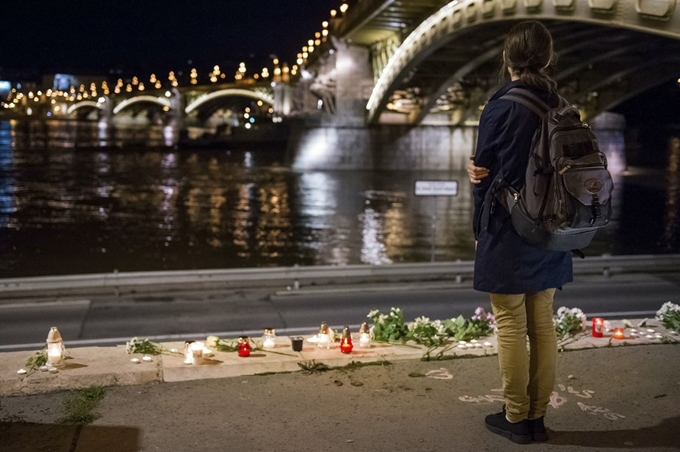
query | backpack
[567, 194]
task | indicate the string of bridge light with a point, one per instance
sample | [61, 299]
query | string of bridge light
[320, 36]
[215, 75]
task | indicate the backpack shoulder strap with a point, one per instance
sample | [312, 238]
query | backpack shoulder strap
[528, 99]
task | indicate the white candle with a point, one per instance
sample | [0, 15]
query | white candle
[324, 340]
[147, 359]
[54, 354]
[22, 371]
[488, 344]
[135, 360]
[269, 343]
[364, 340]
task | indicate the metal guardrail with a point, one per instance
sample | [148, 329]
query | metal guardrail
[285, 276]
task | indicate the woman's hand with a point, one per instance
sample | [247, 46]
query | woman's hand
[476, 173]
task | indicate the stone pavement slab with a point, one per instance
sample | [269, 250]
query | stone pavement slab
[87, 366]
[611, 399]
[111, 366]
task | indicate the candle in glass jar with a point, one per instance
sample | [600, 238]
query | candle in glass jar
[324, 340]
[346, 345]
[364, 335]
[244, 347]
[619, 333]
[598, 327]
[364, 340]
[269, 338]
[55, 348]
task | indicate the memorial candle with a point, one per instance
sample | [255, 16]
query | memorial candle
[244, 347]
[598, 327]
[55, 348]
[364, 335]
[346, 345]
[269, 338]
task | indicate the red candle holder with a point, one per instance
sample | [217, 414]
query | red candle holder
[619, 333]
[244, 347]
[346, 345]
[598, 327]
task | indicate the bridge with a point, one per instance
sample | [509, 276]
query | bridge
[441, 58]
[204, 100]
[408, 78]
[418, 72]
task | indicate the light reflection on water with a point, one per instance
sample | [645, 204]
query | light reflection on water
[67, 210]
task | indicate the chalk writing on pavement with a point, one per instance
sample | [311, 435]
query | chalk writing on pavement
[596, 410]
[556, 401]
[439, 374]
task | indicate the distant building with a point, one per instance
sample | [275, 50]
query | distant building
[5, 88]
[64, 81]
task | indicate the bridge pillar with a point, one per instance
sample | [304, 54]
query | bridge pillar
[107, 111]
[283, 99]
[609, 128]
[354, 83]
[345, 141]
[336, 137]
[178, 106]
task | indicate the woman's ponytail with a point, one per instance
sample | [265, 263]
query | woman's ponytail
[528, 51]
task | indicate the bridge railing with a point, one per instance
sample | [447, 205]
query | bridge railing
[329, 276]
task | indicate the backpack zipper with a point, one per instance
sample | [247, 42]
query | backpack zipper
[567, 128]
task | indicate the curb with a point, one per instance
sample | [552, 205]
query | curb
[111, 366]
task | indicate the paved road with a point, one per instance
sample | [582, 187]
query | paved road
[111, 320]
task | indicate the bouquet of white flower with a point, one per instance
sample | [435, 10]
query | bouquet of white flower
[669, 315]
[569, 321]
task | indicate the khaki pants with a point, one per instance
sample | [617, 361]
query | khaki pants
[528, 377]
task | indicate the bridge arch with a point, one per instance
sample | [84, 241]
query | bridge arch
[229, 92]
[84, 104]
[490, 19]
[162, 101]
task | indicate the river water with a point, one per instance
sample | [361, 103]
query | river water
[66, 209]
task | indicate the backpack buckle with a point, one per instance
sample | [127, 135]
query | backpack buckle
[596, 211]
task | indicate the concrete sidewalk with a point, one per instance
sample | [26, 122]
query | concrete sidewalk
[608, 397]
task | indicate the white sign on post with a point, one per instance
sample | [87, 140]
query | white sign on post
[436, 188]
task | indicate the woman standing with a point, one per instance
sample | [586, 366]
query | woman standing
[521, 279]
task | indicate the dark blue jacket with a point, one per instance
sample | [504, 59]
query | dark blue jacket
[504, 263]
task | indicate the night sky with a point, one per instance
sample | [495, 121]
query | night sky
[145, 36]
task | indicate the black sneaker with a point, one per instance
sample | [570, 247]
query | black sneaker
[516, 432]
[537, 430]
